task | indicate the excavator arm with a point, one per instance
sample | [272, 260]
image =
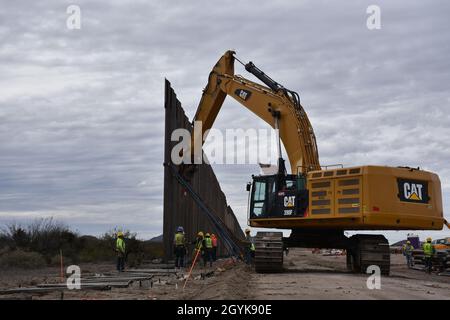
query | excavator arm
[447, 223]
[274, 104]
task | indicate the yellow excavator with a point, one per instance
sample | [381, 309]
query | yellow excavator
[318, 204]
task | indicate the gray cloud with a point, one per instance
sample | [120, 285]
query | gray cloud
[81, 111]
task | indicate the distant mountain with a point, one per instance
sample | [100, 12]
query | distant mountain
[402, 242]
[398, 244]
[157, 239]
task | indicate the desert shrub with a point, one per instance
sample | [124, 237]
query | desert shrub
[95, 250]
[45, 238]
[56, 260]
[136, 250]
[22, 259]
[48, 237]
[14, 236]
[153, 250]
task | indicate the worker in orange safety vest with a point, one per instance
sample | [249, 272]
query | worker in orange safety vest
[214, 248]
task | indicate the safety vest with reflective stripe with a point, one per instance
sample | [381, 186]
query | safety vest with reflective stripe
[199, 243]
[120, 245]
[179, 239]
[251, 245]
[428, 249]
[208, 243]
[408, 249]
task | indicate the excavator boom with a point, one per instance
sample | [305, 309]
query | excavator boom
[295, 128]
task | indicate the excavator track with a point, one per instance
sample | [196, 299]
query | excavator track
[269, 252]
[367, 250]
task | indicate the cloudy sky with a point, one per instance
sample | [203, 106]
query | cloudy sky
[81, 111]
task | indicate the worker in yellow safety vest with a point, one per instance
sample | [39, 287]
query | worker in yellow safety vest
[120, 249]
[428, 252]
[179, 247]
[208, 248]
[249, 247]
[407, 251]
[198, 242]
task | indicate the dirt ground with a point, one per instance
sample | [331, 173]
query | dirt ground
[306, 276]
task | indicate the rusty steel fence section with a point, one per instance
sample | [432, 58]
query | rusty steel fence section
[179, 207]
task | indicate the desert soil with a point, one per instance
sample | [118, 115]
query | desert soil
[306, 276]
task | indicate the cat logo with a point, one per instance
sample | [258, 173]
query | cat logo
[413, 191]
[289, 201]
[243, 94]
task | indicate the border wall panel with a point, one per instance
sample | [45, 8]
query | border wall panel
[179, 207]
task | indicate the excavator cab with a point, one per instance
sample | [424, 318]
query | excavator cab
[278, 195]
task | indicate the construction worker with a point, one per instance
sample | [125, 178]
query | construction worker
[198, 244]
[120, 249]
[214, 244]
[249, 248]
[179, 247]
[207, 252]
[428, 252]
[407, 251]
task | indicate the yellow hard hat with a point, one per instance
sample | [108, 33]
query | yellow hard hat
[428, 239]
[200, 234]
[247, 230]
[408, 242]
[207, 235]
[120, 234]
